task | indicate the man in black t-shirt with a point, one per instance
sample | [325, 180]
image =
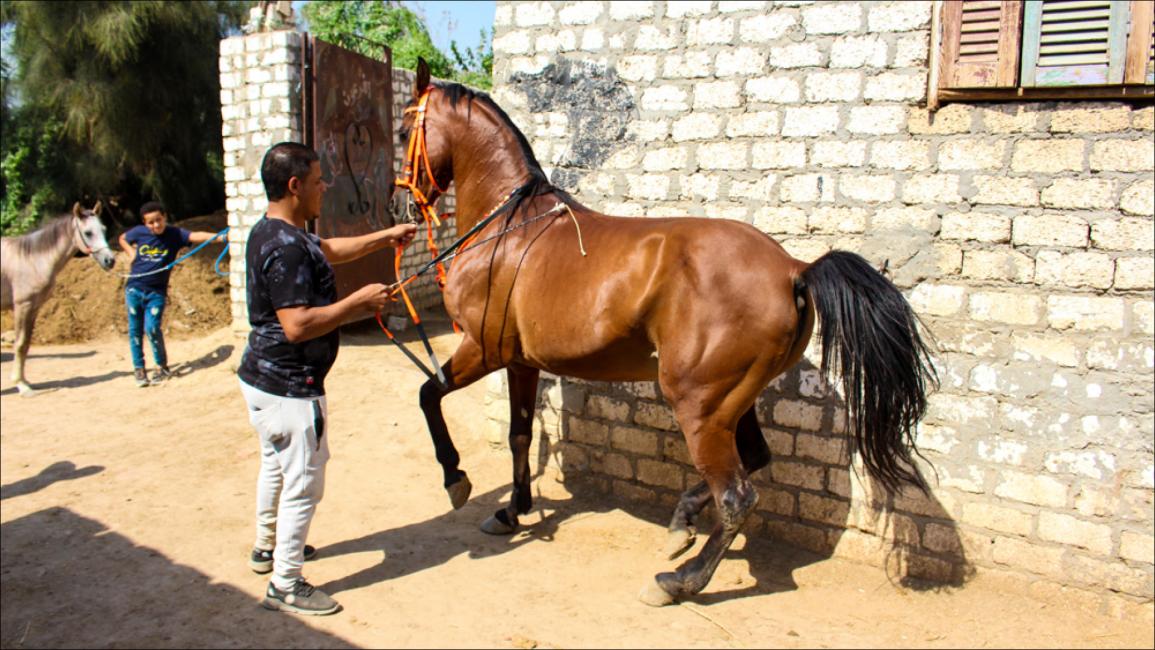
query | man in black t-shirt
[294, 314]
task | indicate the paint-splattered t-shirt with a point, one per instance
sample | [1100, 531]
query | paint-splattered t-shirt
[286, 268]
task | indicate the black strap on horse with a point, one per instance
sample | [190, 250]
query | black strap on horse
[511, 200]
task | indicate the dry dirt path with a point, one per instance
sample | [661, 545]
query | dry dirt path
[127, 519]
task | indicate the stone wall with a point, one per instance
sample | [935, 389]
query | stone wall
[1020, 232]
[260, 106]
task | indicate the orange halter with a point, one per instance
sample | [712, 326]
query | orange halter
[416, 158]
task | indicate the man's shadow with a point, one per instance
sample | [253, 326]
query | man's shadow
[407, 549]
[64, 470]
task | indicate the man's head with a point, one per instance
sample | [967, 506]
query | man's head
[153, 216]
[291, 173]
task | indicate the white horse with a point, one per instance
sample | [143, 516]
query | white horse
[28, 268]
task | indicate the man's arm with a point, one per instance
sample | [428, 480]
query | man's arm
[339, 250]
[302, 323]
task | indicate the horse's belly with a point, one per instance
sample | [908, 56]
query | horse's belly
[626, 359]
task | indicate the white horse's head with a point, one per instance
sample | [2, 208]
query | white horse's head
[89, 235]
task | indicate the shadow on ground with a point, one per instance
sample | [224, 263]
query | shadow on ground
[53, 598]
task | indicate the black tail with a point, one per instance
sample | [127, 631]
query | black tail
[884, 364]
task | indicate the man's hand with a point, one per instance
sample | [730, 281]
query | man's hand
[371, 297]
[402, 234]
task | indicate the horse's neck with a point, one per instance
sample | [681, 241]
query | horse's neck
[482, 185]
[56, 255]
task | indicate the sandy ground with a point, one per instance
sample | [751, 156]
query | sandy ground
[127, 520]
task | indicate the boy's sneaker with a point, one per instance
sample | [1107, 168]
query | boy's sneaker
[140, 376]
[161, 374]
[303, 598]
[261, 561]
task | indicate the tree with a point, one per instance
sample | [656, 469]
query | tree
[365, 25]
[126, 92]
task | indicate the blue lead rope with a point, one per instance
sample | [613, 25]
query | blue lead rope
[216, 265]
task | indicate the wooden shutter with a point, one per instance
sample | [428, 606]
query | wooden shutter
[980, 46]
[1074, 42]
[1141, 44]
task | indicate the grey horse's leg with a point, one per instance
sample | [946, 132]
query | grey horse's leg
[522, 402]
[755, 455]
[24, 314]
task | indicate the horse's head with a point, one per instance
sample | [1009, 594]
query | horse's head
[425, 135]
[88, 234]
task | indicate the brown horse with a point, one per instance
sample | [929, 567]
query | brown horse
[28, 268]
[711, 309]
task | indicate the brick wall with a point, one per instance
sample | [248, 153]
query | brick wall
[260, 106]
[1021, 233]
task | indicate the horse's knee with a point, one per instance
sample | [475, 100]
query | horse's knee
[736, 503]
[430, 396]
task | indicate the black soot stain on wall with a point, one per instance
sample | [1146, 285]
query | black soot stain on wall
[599, 107]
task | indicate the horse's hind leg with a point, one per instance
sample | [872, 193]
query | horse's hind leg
[522, 402]
[755, 455]
[24, 315]
[462, 369]
[705, 415]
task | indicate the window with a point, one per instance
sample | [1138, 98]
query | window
[1043, 49]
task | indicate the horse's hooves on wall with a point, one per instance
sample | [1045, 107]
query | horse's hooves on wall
[653, 595]
[495, 526]
[678, 542]
[459, 492]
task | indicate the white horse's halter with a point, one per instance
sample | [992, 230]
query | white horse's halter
[85, 247]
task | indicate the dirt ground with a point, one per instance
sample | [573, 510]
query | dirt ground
[127, 520]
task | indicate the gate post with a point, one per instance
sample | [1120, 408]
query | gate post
[260, 106]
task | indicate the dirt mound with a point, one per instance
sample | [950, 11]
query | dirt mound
[88, 303]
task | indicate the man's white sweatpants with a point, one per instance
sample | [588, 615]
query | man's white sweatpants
[294, 450]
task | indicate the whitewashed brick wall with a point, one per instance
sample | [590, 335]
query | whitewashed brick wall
[1021, 233]
[260, 106]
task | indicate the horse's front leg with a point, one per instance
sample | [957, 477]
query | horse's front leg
[24, 315]
[754, 453]
[462, 369]
[522, 402]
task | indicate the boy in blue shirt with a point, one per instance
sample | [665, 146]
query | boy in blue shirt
[152, 246]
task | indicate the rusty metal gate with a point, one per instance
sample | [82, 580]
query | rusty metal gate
[348, 121]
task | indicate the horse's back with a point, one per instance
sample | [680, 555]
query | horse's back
[643, 285]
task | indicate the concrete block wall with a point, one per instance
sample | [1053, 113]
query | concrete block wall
[1022, 233]
[260, 106]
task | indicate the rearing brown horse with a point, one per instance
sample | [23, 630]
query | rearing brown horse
[711, 309]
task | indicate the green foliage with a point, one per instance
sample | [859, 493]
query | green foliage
[475, 67]
[365, 25]
[117, 98]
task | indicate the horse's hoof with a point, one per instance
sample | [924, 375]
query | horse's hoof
[495, 526]
[678, 542]
[459, 492]
[653, 595]
[26, 390]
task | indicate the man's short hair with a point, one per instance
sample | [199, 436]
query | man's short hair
[150, 207]
[282, 162]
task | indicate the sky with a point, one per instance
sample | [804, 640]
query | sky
[459, 20]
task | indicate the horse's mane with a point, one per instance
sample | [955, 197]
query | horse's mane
[538, 183]
[44, 238]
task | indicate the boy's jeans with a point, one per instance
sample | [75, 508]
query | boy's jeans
[145, 308]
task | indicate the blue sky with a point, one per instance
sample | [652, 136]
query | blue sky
[459, 20]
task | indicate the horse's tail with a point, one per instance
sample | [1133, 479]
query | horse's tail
[870, 334]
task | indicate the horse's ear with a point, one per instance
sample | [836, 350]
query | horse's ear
[96, 208]
[422, 80]
[76, 209]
